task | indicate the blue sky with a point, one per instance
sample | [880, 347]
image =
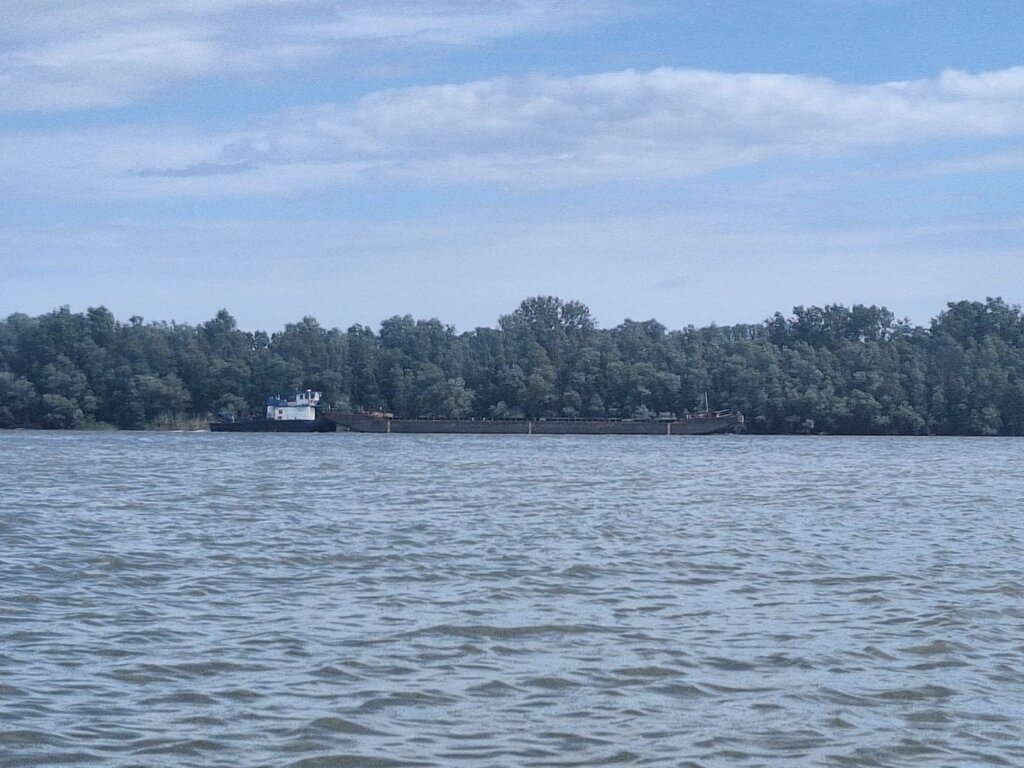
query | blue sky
[692, 161]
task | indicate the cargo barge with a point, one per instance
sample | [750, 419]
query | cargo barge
[702, 423]
[299, 413]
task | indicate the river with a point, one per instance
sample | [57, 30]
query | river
[171, 599]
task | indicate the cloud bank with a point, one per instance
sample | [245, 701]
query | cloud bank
[665, 124]
[56, 55]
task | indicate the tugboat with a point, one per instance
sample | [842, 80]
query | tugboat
[295, 413]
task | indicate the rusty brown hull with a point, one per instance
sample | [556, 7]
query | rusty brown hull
[697, 424]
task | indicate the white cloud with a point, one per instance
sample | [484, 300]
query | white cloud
[452, 23]
[663, 124]
[105, 70]
[56, 55]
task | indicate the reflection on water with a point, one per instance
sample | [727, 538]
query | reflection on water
[375, 600]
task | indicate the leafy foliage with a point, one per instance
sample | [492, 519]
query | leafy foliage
[827, 369]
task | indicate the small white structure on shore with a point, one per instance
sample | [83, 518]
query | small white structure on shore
[298, 407]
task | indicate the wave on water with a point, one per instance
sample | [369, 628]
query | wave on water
[189, 599]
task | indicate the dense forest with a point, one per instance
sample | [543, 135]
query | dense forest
[831, 369]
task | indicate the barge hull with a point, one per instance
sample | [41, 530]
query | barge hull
[699, 424]
[320, 425]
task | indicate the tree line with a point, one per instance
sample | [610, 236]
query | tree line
[831, 369]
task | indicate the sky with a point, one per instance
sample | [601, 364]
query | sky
[693, 161]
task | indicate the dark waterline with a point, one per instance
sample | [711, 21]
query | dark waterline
[373, 600]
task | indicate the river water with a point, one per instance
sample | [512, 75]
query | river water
[391, 600]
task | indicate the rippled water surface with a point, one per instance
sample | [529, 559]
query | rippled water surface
[387, 600]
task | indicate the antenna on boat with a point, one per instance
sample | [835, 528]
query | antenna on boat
[707, 407]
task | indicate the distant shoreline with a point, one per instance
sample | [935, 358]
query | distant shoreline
[821, 370]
